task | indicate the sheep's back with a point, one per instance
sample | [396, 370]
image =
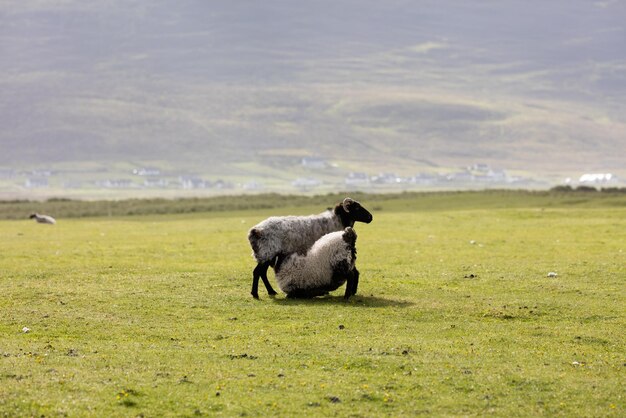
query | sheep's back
[289, 234]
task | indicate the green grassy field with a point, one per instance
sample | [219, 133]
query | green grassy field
[151, 315]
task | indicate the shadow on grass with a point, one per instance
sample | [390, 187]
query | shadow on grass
[354, 301]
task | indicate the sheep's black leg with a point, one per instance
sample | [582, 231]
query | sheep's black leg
[355, 274]
[349, 286]
[352, 283]
[260, 272]
[255, 282]
[268, 286]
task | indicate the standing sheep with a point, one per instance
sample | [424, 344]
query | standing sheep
[328, 264]
[283, 235]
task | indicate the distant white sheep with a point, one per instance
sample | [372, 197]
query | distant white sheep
[327, 265]
[284, 235]
[43, 219]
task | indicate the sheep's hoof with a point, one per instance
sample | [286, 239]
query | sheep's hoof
[254, 295]
[272, 293]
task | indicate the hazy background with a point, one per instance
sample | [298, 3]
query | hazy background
[234, 94]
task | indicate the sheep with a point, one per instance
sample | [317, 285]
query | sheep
[328, 264]
[295, 234]
[43, 219]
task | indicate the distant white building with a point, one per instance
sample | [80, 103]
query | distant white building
[314, 162]
[480, 167]
[461, 177]
[194, 183]
[306, 183]
[253, 185]
[147, 171]
[222, 184]
[36, 183]
[386, 178]
[155, 182]
[115, 184]
[357, 179]
[493, 176]
[596, 178]
[424, 179]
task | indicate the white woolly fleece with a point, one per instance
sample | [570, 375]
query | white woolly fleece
[315, 269]
[291, 234]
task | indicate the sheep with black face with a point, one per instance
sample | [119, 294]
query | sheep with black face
[284, 235]
[43, 219]
[326, 266]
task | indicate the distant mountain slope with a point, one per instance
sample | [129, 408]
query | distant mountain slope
[535, 86]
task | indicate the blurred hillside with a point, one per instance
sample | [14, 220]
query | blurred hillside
[243, 90]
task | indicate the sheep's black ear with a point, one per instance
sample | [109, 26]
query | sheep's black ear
[347, 203]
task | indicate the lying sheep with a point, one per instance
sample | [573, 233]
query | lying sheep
[283, 235]
[328, 264]
[43, 219]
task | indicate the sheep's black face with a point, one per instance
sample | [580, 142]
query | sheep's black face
[351, 211]
[357, 212]
[362, 215]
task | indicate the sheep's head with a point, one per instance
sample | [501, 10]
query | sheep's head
[32, 215]
[355, 212]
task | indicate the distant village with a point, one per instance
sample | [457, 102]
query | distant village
[320, 176]
[477, 175]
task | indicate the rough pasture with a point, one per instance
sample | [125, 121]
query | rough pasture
[455, 315]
